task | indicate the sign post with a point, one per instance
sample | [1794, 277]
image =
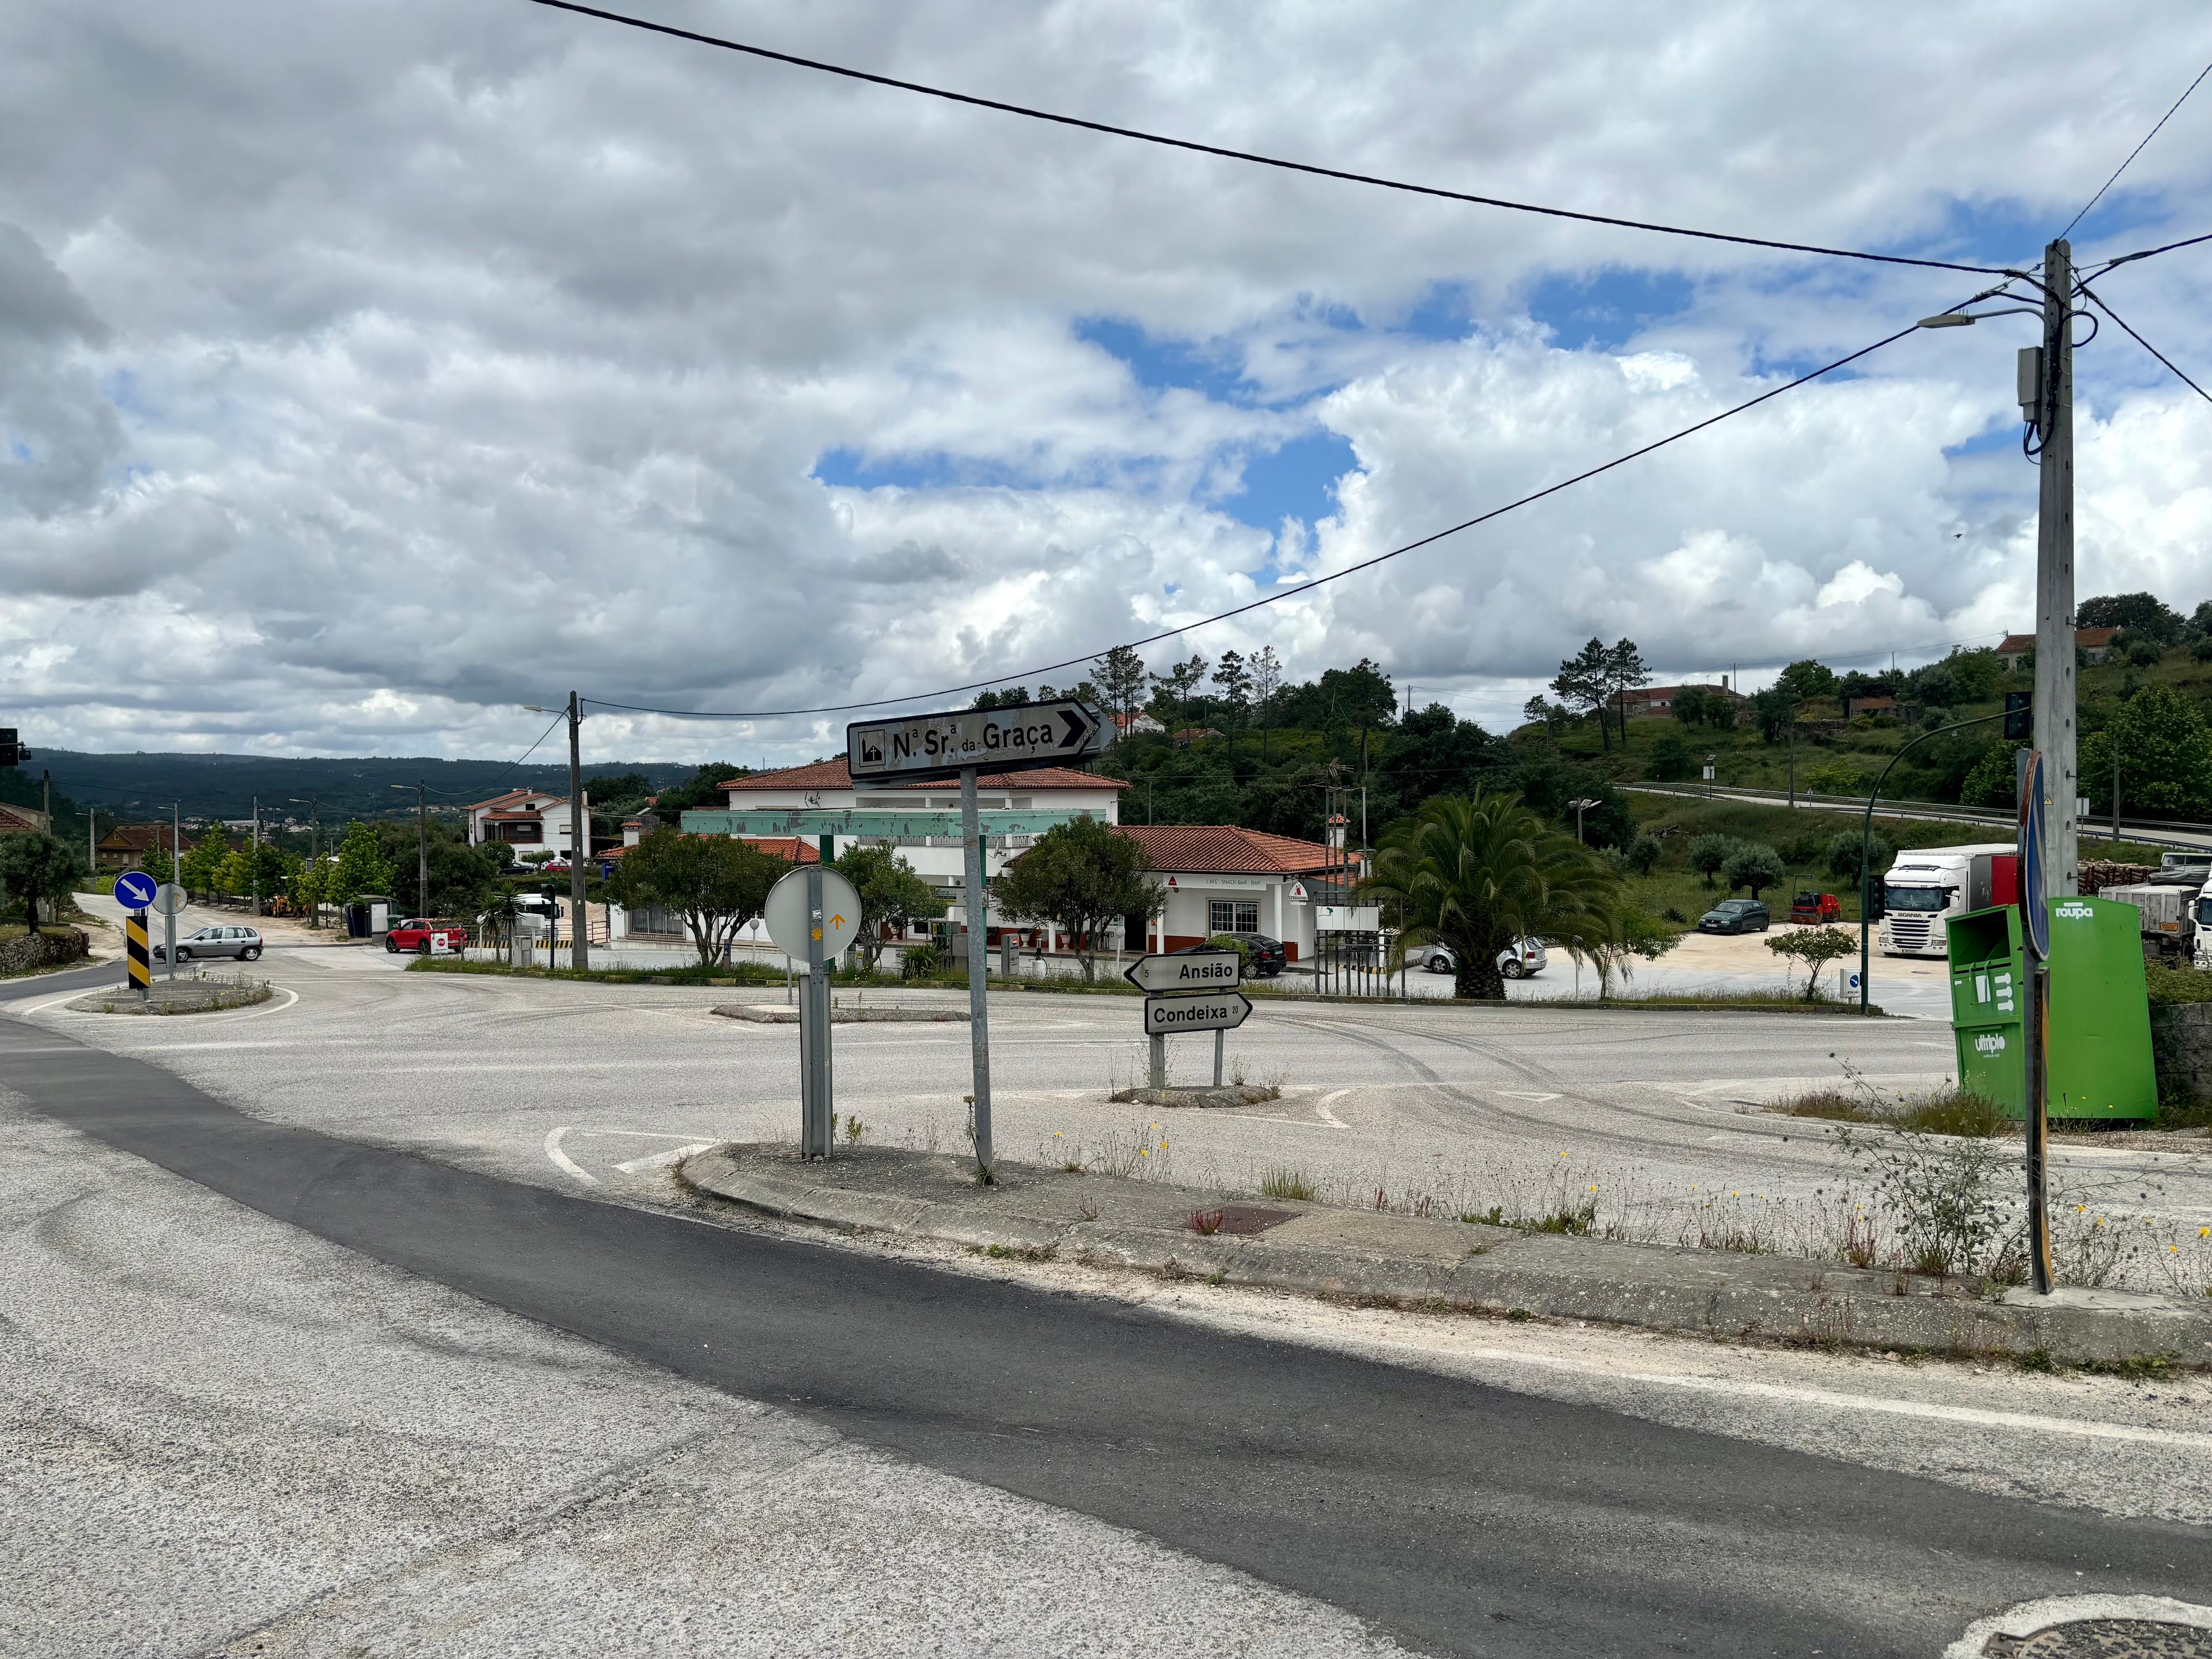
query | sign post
[962, 743]
[133, 891]
[2035, 932]
[812, 915]
[169, 899]
[1195, 991]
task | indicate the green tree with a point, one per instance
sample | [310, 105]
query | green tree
[1624, 670]
[1581, 685]
[891, 896]
[2165, 756]
[1234, 676]
[1977, 673]
[1672, 760]
[359, 866]
[1176, 701]
[203, 861]
[1815, 948]
[1773, 711]
[1805, 680]
[1995, 779]
[714, 883]
[1843, 855]
[1120, 676]
[1836, 776]
[700, 791]
[1708, 853]
[1642, 854]
[1080, 877]
[1753, 865]
[37, 868]
[1267, 671]
[1690, 704]
[2145, 616]
[1475, 874]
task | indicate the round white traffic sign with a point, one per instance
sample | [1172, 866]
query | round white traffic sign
[169, 899]
[789, 920]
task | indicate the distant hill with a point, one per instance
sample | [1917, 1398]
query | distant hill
[143, 785]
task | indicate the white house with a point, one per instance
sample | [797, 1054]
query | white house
[529, 820]
[1222, 879]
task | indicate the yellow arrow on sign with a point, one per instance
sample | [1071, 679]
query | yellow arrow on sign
[837, 922]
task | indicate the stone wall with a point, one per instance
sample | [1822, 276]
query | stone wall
[20, 955]
[2181, 1047]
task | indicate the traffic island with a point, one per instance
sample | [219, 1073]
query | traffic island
[777, 1013]
[1381, 1259]
[1220, 1094]
[181, 996]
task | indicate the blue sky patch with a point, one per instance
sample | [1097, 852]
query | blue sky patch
[1297, 481]
[1607, 309]
[1160, 364]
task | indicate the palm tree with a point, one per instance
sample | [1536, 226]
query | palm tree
[1476, 874]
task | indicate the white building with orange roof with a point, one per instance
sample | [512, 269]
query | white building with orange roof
[529, 820]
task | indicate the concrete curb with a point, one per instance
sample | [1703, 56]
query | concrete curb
[1446, 1266]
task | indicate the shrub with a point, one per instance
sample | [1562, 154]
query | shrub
[1708, 853]
[2202, 649]
[1289, 1183]
[1753, 865]
[1643, 853]
[920, 962]
[1844, 849]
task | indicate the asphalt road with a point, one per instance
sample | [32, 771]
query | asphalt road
[1463, 1519]
[587, 1085]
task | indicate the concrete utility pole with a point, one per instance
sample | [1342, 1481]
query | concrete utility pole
[2055, 725]
[580, 839]
[975, 907]
[423, 848]
[257, 856]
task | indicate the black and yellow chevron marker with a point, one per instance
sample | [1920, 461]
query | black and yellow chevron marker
[142, 960]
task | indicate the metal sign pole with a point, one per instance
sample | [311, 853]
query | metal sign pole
[1221, 1042]
[816, 1112]
[2035, 880]
[977, 906]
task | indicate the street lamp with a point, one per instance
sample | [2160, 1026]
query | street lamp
[1581, 806]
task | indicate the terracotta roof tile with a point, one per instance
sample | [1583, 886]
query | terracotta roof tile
[1226, 849]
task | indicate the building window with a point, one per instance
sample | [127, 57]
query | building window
[524, 834]
[1233, 916]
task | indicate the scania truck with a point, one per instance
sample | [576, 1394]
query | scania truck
[1927, 884]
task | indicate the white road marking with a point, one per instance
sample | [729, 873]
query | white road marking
[1524, 1094]
[1322, 1106]
[553, 1150]
[661, 1160]
[637, 1134]
[2087, 1429]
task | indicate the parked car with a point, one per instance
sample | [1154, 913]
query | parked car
[242, 943]
[1519, 960]
[1735, 916]
[415, 934]
[1264, 957]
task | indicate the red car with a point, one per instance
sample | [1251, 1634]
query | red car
[414, 935]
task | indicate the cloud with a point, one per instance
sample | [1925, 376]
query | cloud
[362, 379]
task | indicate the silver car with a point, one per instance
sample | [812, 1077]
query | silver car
[1521, 959]
[242, 943]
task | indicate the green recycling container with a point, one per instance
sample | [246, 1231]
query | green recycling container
[1989, 1004]
[2100, 1059]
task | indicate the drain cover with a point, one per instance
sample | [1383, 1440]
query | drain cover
[2107, 1638]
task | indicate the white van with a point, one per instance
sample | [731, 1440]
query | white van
[1927, 884]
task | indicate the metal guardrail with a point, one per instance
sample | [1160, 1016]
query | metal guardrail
[1935, 812]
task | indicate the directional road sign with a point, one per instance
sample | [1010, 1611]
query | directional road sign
[1197, 970]
[134, 890]
[169, 899]
[995, 739]
[2033, 870]
[788, 923]
[1206, 1011]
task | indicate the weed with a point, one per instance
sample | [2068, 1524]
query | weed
[1519, 1315]
[1289, 1183]
[1216, 1277]
[1018, 1252]
[1071, 1166]
[2036, 1359]
[1206, 1223]
[853, 1130]
[1087, 1212]
[1858, 1245]
[1492, 1217]
[2136, 1368]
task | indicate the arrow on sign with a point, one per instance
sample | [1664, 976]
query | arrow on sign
[837, 920]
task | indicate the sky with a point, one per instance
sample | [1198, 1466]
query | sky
[371, 370]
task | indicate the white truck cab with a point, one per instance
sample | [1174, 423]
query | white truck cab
[1927, 884]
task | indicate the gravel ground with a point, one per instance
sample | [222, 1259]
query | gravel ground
[224, 1436]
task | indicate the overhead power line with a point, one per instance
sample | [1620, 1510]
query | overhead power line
[1303, 587]
[2132, 154]
[2097, 300]
[2165, 247]
[1224, 152]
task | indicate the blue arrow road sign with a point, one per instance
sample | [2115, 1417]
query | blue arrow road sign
[2034, 910]
[134, 890]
